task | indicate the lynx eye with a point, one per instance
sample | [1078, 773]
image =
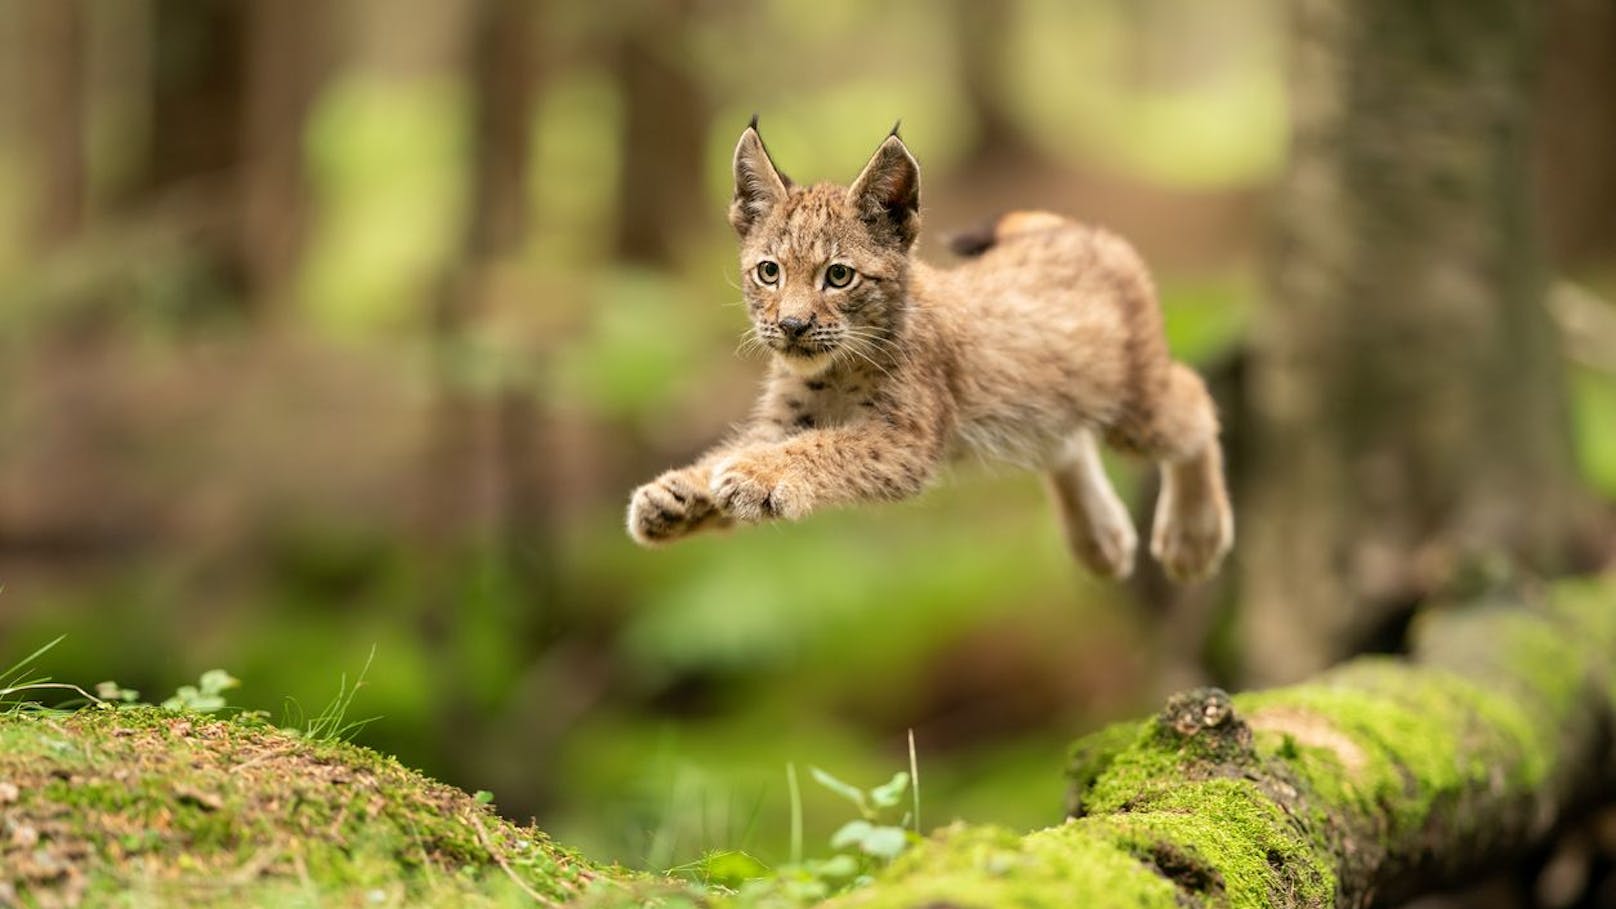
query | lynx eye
[838, 275]
[768, 271]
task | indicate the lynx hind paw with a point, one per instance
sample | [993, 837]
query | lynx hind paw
[749, 491]
[1191, 540]
[667, 508]
[1108, 547]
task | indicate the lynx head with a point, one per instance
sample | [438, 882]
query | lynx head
[824, 267]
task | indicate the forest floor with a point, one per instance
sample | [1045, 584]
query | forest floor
[145, 806]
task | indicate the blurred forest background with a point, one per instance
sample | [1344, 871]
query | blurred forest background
[327, 324]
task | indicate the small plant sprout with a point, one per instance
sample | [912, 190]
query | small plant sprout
[331, 724]
[16, 677]
[914, 779]
[729, 869]
[845, 790]
[113, 693]
[863, 845]
[796, 813]
[206, 696]
[869, 835]
[16, 680]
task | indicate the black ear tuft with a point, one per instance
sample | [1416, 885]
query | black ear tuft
[753, 124]
[895, 124]
[759, 186]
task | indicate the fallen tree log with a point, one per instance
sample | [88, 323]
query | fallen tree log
[1379, 780]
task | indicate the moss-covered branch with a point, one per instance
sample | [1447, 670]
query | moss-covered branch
[1372, 782]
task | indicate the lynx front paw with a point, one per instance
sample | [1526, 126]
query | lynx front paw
[667, 508]
[751, 490]
[1190, 538]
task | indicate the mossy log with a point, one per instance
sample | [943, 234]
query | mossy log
[1378, 780]
[1381, 779]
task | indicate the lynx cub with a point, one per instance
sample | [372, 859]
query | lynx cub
[884, 368]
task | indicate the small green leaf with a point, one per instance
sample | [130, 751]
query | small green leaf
[112, 691]
[183, 699]
[892, 792]
[885, 842]
[215, 681]
[851, 833]
[204, 699]
[845, 790]
[483, 797]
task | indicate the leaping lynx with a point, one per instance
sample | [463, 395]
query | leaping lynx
[883, 368]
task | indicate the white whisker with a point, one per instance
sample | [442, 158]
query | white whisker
[750, 342]
[878, 344]
[857, 348]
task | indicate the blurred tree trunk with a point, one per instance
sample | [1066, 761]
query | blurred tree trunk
[286, 63]
[198, 83]
[504, 88]
[1576, 132]
[464, 483]
[982, 44]
[1407, 382]
[197, 128]
[55, 86]
[665, 123]
[483, 492]
[460, 488]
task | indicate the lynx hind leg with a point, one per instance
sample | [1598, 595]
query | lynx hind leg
[1098, 528]
[1194, 525]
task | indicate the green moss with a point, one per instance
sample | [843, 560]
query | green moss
[1541, 664]
[1236, 831]
[183, 808]
[1161, 759]
[1586, 605]
[1094, 754]
[1416, 738]
[1070, 865]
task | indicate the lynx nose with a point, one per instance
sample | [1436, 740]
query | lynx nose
[793, 327]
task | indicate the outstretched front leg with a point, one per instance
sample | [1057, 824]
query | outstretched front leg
[675, 504]
[679, 502]
[880, 459]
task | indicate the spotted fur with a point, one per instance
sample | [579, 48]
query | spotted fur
[1044, 342]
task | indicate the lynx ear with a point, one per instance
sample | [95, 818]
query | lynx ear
[887, 193]
[759, 187]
